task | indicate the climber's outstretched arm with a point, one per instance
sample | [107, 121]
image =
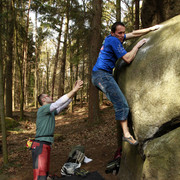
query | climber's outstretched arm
[140, 32]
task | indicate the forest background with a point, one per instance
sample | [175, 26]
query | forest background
[49, 52]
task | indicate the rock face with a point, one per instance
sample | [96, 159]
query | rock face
[151, 84]
[163, 157]
[155, 12]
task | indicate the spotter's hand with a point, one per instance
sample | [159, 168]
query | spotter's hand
[78, 85]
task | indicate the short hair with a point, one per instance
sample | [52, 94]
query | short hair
[113, 27]
[40, 99]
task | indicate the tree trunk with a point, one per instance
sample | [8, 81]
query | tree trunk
[25, 56]
[118, 10]
[71, 83]
[63, 62]
[14, 70]
[47, 73]
[77, 68]
[132, 12]
[3, 127]
[36, 66]
[9, 60]
[23, 65]
[76, 78]
[57, 56]
[136, 24]
[21, 98]
[71, 108]
[21, 94]
[83, 81]
[94, 48]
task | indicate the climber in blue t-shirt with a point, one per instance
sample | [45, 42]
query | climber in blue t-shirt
[111, 50]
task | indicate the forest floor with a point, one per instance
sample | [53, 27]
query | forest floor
[72, 129]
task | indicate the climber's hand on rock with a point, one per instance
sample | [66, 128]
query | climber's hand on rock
[156, 27]
[141, 42]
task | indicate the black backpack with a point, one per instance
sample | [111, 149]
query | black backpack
[77, 154]
[114, 165]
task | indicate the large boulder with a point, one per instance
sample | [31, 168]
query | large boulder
[155, 12]
[151, 84]
[163, 157]
[160, 161]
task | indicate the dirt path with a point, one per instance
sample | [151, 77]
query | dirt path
[71, 129]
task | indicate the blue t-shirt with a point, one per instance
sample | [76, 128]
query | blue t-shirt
[111, 50]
